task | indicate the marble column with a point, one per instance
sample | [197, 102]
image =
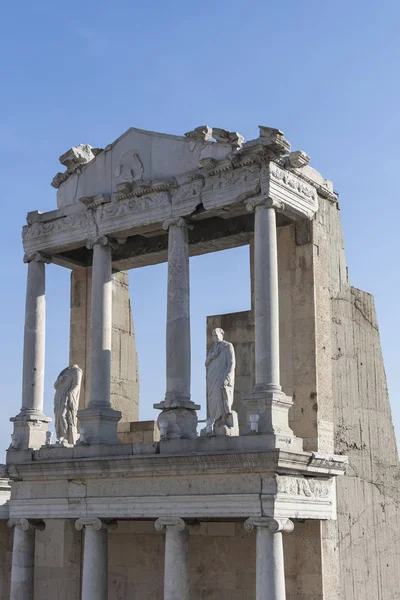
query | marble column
[176, 565]
[95, 558]
[178, 411]
[267, 399]
[270, 567]
[30, 425]
[23, 557]
[99, 420]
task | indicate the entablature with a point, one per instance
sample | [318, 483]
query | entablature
[212, 198]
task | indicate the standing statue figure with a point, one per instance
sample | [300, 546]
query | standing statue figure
[66, 402]
[220, 364]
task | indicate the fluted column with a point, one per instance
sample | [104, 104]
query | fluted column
[95, 558]
[176, 565]
[178, 409]
[99, 420]
[30, 425]
[270, 567]
[267, 399]
[22, 569]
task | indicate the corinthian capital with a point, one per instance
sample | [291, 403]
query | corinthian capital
[252, 203]
[274, 525]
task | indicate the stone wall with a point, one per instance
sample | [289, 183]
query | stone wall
[332, 366]
[5, 559]
[58, 552]
[124, 362]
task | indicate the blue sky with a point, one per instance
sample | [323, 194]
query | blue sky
[326, 73]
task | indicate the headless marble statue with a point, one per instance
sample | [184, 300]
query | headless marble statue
[66, 402]
[220, 364]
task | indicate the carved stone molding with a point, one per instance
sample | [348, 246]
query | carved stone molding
[95, 201]
[298, 159]
[252, 203]
[37, 257]
[328, 461]
[96, 523]
[27, 524]
[274, 525]
[164, 522]
[291, 181]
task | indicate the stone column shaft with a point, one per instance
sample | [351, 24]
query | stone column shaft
[99, 421]
[95, 558]
[22, 570]
[178, 314]
[101, 325]
[34, 339]
[176, 566]
[178, 418]
[270, 568]
[266, 297]
[30, 425]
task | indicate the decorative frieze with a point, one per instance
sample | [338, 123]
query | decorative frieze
[304, 487]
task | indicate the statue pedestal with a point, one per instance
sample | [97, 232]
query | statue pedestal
[178, 421]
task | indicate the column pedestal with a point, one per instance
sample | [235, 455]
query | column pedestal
[30, 425]
[178, 418]
[176, 567]
[23, 558]
[99, 420]
[95, 558]
[270, 568]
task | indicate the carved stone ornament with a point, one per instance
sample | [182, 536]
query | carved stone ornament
[176, 522]
[37, 257]
[252, 203]
[292, 182]
[27, 524]
[177, 222]
[274, 525]
[130, 168]
[306, 487]
[96, 523]
[101, 240]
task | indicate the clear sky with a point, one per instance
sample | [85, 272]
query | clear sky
[326, 73]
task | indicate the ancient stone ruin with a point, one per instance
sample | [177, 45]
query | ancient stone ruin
[291, 489]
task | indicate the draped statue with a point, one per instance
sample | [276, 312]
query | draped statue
[66, 402]
[220, 365]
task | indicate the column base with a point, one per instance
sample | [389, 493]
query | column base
[100, 425]
[30, 428]
[179, 422]
[272, 406]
